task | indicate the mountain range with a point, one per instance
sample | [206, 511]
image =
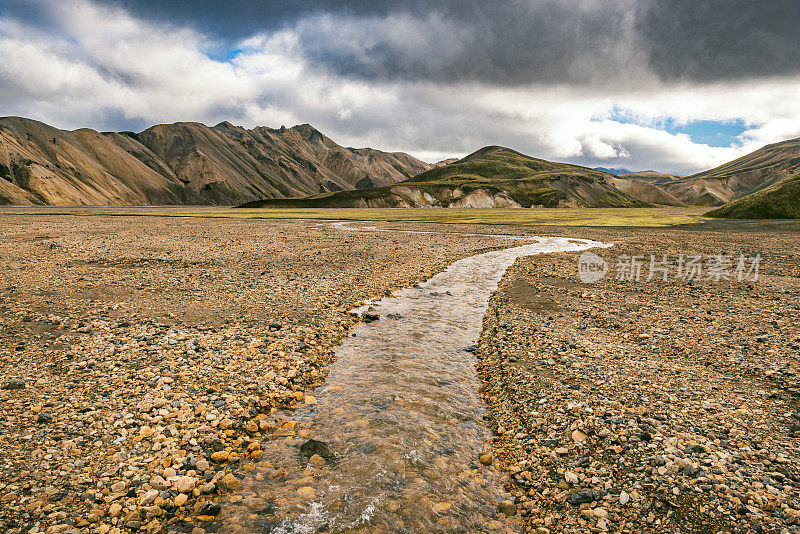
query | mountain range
[491, 177]
[184, 163]
[191, 163]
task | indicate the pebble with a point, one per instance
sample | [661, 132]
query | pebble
[44, 417]
[220, 456]
[317, 461]
[14, 384]
[231, 482]
[148, 498]
[185, 484]
[307, 493]
[507, 507]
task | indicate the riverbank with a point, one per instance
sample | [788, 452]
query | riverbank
[636, 406]
[141, 357]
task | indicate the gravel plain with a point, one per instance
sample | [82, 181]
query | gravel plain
[146, 362]
[649, 406]
[141, 357]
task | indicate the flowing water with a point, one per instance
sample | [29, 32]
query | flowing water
[401, 417]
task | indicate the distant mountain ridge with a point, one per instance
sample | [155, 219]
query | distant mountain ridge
[645, 191]
[491, 177]
[736, 186]
[650, 176]
[191, 163]
[612, 170]
[184, 163]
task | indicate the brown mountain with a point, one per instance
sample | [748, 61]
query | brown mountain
[184, 163]
[645, 191]
[43, 165]
[740, 177]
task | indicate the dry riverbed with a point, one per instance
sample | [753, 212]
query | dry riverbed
[627, 406]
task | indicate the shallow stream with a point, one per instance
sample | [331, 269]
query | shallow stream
[401, 419]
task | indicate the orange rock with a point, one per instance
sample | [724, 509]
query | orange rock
[219, 456]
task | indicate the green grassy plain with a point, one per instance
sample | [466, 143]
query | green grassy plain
[633, 217]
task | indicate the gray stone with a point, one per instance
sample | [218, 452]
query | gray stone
[14, 384]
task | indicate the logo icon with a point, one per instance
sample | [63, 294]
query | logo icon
[591, 268]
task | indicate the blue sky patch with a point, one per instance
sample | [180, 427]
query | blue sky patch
[224, 56]
[705, 132]
[711, 133]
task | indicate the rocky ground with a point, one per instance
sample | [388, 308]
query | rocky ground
[141, 357]
[147, 362]
[627, 406]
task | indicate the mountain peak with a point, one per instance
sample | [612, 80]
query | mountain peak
[493, 151]
[305, 129]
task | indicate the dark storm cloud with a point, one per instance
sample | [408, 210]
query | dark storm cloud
[580, 41]
[722, 39]
[510, 42]
[230, 19]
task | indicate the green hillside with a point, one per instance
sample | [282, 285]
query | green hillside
[779, 201]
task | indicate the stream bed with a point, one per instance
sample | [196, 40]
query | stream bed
[392, 444]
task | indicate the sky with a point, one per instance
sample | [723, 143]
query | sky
[671, 85]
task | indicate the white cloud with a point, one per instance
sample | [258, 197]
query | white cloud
[105, 63]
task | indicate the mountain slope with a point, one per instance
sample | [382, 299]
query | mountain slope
[779, 201]
[184, 163]
[653, 177]
[44, 165]
[490, 177]
[645, 191]
[229, 163]
[740, 177]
